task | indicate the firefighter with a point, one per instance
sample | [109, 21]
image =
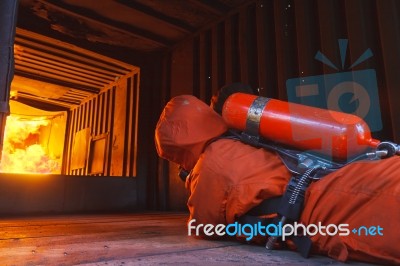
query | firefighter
[229, 178]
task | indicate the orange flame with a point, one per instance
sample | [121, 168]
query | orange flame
[22, 151]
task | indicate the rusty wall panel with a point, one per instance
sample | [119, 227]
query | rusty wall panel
[128, 127]
[135, 118]
[242, 36]
[182, 77]
[131, 116]
[266, 46]
[251, 44]
[285, 39]
[112, 112]
[228, 50]
[110, 124]
[199, 67]
[182, 70]
[388, 14]
[267, 42]
[307, 37]
[71, 130]
[118, 139]
[215, 62]
[207, 77]
[99, 114]
[235, 66]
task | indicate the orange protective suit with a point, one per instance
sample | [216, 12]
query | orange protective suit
[229, 178]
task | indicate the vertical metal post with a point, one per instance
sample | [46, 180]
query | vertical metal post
[8, 19]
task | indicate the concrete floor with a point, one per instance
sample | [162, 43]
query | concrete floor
[128, 239]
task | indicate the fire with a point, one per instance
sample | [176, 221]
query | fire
[22, 150]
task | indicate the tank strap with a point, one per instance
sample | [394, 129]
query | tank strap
[254, 115]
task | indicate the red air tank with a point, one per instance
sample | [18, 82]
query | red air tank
[331, 133]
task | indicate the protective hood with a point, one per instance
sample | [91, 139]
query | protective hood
[185, 127]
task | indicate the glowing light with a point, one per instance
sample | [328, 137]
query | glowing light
[22, 149]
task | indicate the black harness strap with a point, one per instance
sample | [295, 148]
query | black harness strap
[272, 206]
[266, 207]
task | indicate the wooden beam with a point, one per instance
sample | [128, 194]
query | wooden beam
[63, 65]
[52, 102]
[213, 6]
[56, 75]
[174, 22]
[88, 15]
[25, 34]
[82, 58]
[49, 66]
[54, 80]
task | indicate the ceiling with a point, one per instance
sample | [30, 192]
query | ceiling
[141, 25]
[52, 74]
[55, 73]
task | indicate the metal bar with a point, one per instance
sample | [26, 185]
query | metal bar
[174, 22]
[213, 6]
[228, 51]
[243, 46]
[8, 18]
